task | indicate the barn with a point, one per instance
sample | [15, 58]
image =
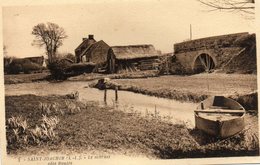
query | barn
[133, 58]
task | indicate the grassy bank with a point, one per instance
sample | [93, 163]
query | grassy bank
[26, 78]
[57, 123]
[130, 75]
[194, 88]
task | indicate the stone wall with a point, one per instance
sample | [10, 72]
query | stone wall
[208, 43]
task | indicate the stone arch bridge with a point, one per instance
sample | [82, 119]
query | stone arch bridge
[207, 53]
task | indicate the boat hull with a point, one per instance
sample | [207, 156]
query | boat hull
[220, 128]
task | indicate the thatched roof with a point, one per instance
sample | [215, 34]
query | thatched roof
[135, 51]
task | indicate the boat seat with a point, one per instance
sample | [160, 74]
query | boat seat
[218, 107]
[220, 111]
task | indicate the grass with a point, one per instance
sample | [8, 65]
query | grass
[193, 88]
[90, 127]
[218, 83]
[130, 75]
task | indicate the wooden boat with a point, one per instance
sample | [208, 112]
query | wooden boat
[220, 116]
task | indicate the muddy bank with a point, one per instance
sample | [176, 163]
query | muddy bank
[248, 101]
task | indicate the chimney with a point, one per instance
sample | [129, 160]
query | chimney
[90, 36]
[84, 39]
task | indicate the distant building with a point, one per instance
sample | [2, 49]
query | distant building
[117, 58]
[133, 58]
[86, 43]
[96, 53]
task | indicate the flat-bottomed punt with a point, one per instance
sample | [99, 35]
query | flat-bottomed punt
[220, 116]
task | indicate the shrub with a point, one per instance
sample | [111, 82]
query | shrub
[70, 56]
[58, 68]
[29, 67]
[172, 66]
[22, 65]
[246, 40]
[14, 68]
[81, 68]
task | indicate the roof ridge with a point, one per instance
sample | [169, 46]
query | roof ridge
[138, 45]
[86, 40]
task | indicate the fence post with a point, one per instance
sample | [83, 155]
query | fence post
[105, 95]
[116, 93]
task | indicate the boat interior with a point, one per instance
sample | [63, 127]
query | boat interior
[219, 108]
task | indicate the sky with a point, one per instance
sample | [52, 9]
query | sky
[158, 22]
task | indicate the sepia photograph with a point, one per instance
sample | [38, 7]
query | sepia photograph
[132, 82]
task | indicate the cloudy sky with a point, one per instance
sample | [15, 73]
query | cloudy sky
[158, 22]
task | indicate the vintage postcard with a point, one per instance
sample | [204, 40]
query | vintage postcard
[129, 82]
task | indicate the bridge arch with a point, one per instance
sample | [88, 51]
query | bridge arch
[204, 61]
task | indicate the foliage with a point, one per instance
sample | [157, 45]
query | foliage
[80, 68]
[58, 68]
[247, 41]
[170, 65]
[21, 65]
[29, 67]
[49, 35]
[23, 131]
[70, 56]
[19, 133]
[14, 68]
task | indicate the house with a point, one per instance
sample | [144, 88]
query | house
[95, 53]
[86, 43]
[91, 51]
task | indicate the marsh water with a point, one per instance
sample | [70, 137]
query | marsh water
[174, 111]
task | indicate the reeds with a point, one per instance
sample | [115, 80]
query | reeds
[19, 133]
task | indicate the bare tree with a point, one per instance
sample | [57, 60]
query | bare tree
[243, 6]
[49, 35]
